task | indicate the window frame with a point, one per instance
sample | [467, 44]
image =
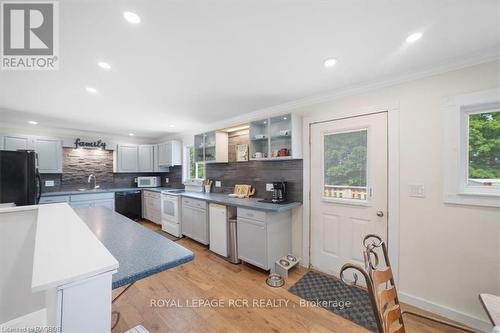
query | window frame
[455, 143]
[187, 169]
[355, 202]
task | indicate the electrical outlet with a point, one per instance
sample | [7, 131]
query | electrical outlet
[416, 190]
[269, 187]
[218, 183]
[167, 180]
[49, 183]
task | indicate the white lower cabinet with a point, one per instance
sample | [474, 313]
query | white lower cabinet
[110, 203]
[54, 199]
[91, 315]
[263, 237]
[83, 200]
[195, 220]
[93, 200]
[151, 206]
[252, 242]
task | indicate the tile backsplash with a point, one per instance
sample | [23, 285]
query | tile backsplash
[257, 174]
[78, 164]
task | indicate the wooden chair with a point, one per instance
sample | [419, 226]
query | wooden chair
[382, 289]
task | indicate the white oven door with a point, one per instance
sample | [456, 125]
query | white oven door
[170, 208]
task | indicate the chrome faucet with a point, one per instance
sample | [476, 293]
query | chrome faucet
[95, 180]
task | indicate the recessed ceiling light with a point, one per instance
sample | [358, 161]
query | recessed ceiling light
[104, 65]
[171, 126]
[414, 37]
[132, 17]
[330, 62]
[91, 90]
[32, 122]
[131, 134]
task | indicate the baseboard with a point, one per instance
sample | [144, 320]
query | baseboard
[446, 312]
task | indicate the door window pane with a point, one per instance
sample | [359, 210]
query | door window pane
[484, 149]
[345, 165]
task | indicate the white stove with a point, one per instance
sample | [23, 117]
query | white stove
[171, 212]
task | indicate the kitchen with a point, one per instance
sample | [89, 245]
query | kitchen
[249, 167]
[144, 183]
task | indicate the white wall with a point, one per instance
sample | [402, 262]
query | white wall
[448, 253]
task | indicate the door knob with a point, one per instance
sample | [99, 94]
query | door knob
[380, 213]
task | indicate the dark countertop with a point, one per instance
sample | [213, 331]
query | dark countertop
[140, 252]
[250, 203]
[75, 191]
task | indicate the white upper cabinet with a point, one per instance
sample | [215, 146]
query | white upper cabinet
[49, 153]
[15, 142]
[134, 158]
[169, 154]
[127, 158]
[146, 158]
[49, 150]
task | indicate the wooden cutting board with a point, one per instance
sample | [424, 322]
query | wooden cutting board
[245, 190]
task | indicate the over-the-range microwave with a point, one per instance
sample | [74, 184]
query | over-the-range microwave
[148, 181]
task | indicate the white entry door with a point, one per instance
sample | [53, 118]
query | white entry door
[348, 188]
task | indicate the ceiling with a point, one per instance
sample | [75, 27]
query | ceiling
[191, 63]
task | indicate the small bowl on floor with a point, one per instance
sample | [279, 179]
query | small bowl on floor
[275, 280]
[284, 262]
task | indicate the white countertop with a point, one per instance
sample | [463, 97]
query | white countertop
[66, 250]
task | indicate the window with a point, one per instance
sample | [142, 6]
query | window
[195, 170]
[345, 165]
[483, 149]
[471, 149]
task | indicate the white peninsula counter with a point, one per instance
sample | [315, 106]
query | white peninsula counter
[54, 271]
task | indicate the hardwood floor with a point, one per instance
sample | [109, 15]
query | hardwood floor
[209, 278]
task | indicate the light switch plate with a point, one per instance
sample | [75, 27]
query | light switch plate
[49, 183]
[218, 183]
[167, 180]
[416, 190]
[269, 187]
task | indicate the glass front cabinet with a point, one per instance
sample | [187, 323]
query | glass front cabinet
[276, 138]
[211, 147]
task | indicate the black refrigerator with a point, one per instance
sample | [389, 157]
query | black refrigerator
[19, 178]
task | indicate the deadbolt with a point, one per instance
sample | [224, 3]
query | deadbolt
[380, 213]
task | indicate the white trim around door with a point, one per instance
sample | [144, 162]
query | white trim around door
[393, 178]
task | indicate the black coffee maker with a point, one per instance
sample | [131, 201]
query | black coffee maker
[279, 192]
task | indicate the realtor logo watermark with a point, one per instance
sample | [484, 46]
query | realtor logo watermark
[29, 35]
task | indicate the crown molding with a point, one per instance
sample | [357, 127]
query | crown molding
[488, 55]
